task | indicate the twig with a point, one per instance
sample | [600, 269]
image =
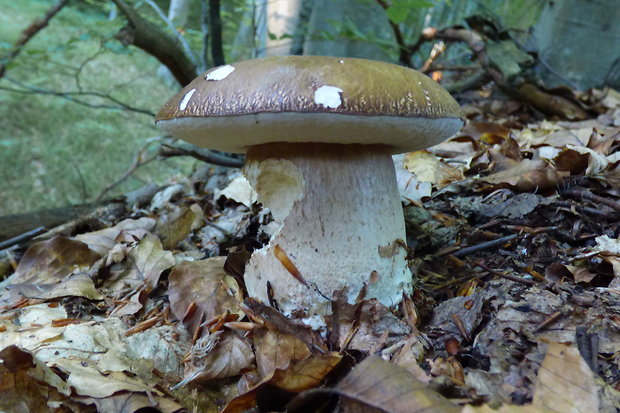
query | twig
[185, 149]
[552, 318]
[138, 161]
[29, 32]
[585, 194]
[70, 96]
[506, 276]
[22, 237]
[484, 246]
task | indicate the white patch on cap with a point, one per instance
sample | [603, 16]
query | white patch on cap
[220, 73]
[186, 99]
[328, 96]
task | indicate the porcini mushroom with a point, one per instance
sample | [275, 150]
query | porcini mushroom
[319, 133]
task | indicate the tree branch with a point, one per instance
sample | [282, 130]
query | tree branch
[73, 96]
[156, 42]
[29, 32]
[202, 154]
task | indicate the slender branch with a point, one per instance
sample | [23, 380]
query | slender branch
[29, 32]
[156, 42]
[73, 96]
[205, 155]
[139, 160]
[177, 34]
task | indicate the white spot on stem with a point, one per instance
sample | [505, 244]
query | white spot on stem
[328, 96]
[220, 73]
[186, 99]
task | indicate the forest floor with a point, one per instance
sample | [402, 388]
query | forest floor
[513, 227]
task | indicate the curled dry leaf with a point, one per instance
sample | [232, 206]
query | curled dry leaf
[175, 226]
[104, 240]
[141, 270]
[276, 350]
[488, 132]
[239, 190]
[527, 175]
[565, 382]
[28, 383]
[299, 376]
[428, 168]
[52, 261]
[205, 284]
[378, 385]
[226, 356]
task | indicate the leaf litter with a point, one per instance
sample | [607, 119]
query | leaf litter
[514, 238]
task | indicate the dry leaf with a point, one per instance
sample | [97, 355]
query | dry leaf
[52, 261]
[205, 284]
[299, 376]
[239, 190]
[276, 350]
[104, 240]
[217, 356]
[565, 382]
[175, 226]
[140, 271]
[376, 384]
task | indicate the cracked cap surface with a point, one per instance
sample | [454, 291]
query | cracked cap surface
[311, 99]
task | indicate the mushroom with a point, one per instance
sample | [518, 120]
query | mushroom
[319, 133]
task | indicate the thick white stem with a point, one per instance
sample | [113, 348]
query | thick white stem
[342, 226]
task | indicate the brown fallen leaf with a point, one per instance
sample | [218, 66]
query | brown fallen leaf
[565, 382]
[217, 356]
[378, 385]
[52, 261]
[143, 265]
[276, 350]
[103, 241]
[488, 132]
[175, 226]
[27, 384]
[527, 175]
[206, 284]
[299, 376]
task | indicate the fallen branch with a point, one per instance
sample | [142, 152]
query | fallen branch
[186, 149]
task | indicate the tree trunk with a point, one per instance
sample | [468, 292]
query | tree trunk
[578, 42]
[333, 17]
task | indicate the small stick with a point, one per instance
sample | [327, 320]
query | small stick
[552, 318]
[484, 246]
[580, 193]
[23, 237]
[506, 276]
[459, 324]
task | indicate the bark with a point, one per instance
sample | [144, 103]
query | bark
[156, 42]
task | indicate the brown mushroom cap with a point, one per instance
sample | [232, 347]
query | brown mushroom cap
[311, 99]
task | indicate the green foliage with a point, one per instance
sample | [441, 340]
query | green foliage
[400, 10]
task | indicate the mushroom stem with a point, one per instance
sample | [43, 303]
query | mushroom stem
[341, 226]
